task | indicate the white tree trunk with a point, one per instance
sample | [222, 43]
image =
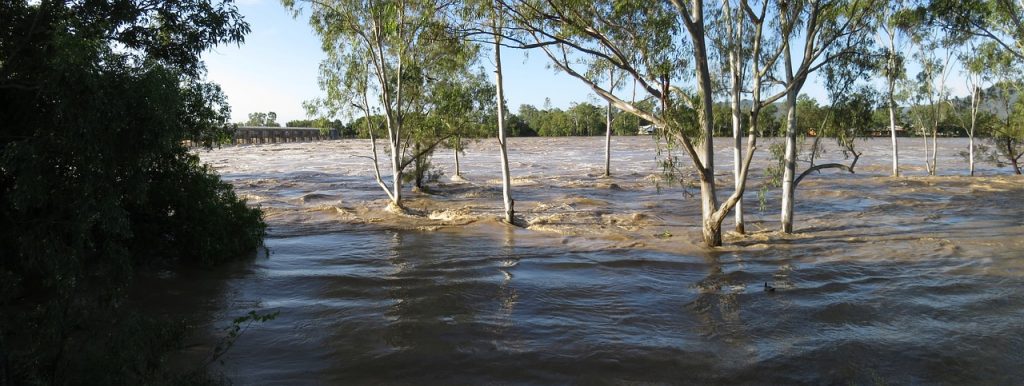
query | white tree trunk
[396, 173]
[975, 103]
[735, 37]
[458, 170]
[789, 170]
[927, 157]
[506, 183]
[891, 78]
[608, 128]
[712, 227]
[892, 131]
[790, 164]
[737, 152]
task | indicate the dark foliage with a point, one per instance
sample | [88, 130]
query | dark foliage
[95, 99]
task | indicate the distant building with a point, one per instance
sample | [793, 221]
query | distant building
[646, 130]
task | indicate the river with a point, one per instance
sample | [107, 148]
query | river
[910, 280]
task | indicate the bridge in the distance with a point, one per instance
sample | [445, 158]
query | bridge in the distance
[258, 135]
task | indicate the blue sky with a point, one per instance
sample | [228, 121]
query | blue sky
[276, 69]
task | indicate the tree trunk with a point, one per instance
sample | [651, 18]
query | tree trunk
[1012, 156]
[891, 77]
[892, 132]
[506, 189]
[458, 169]
[975, 103]
[704, 154]
[927, 162]
[790, 164]
[737, 129]
[712, 229]
[935, 147]
[608, 130]
[396, 175]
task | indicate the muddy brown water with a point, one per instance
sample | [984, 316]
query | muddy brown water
[910, 280]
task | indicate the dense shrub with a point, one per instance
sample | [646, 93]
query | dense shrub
[95, 99]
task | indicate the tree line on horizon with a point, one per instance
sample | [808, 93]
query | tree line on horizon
[584, 119]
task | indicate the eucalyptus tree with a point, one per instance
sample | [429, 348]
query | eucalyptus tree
[999, 24]
[729, 38]
[662, 47]
[1007, 135]
[484, 22]
[975, 77]
[935, 58]
[392, 50]
[496, 19]
[833, 32]
[615, 80]
[463, 104]
[892, 36]
[608, 124]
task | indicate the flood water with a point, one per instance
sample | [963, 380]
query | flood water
[910, 280]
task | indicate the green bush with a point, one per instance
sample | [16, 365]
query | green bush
[95, 100]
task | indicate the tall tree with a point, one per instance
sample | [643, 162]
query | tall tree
[975, 78]
[734, 43]
[388, 49]
[832, 31]
[642, 40]
[930, 92]
[1007, 135]
[891, 35]
[484, 22]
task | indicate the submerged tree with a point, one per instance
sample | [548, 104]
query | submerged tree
[464, 106]
[833, 31]
[642, 40]
[390, 50]
[935, 56]
[892, 30]
[732, 40]
[1006, 135]
[975, 77]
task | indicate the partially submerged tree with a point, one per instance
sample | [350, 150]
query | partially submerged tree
[832, 31]
[891, 35]
[390, 50]
[732, 41]
[464, 105]
[975, 77]
[641, 39]
[1006, 135]
[935, 56]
